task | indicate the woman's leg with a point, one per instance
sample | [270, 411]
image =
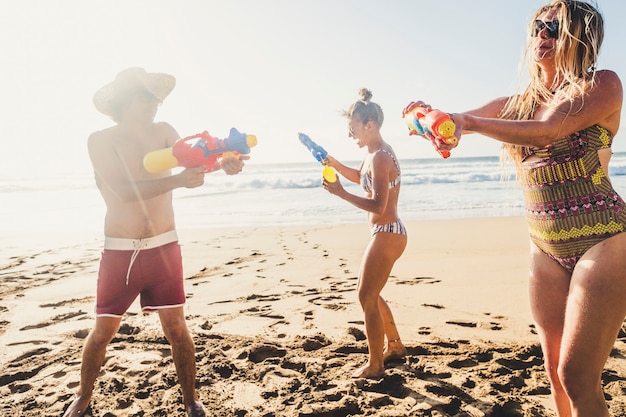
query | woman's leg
[578, 317]
[394, 349]
[548, 289]
[595, 312]
[380, 255]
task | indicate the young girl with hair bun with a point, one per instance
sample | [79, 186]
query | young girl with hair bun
[379, 176]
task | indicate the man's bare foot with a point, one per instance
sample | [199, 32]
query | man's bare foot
[368, 372]
[394, 351]
[196, 410]
[77, 407]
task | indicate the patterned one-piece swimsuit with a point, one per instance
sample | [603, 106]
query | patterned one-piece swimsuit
[570, 202]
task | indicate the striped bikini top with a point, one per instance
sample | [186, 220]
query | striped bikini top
[366, 178]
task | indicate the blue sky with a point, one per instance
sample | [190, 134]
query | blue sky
[268, 67]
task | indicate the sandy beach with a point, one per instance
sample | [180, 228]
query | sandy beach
[278, 328]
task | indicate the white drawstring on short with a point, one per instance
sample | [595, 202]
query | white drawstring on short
[137, 245]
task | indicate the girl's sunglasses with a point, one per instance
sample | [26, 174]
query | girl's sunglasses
[552, 28]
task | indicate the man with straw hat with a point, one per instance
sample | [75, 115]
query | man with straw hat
[141, 255]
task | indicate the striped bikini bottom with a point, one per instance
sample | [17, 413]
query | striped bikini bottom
[396, 227]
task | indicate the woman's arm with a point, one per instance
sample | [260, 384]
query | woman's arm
[351, 174]
[377, 201]
[601, 104]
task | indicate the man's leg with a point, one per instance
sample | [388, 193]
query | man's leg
[184, 355]
[93, 356]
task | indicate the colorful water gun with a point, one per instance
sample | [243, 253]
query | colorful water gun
[421, 120]
[319, 154]
[200, 149]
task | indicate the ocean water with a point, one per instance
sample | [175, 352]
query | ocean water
[279, 194]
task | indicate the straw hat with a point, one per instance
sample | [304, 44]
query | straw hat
[132, 79]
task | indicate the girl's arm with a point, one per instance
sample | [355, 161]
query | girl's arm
[377, 201]
[351, 174]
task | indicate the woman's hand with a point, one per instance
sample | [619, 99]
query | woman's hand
[441, 145]
[414, 104]
[333, 187]
[330, 161]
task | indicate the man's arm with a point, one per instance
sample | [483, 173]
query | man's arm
[117, 175]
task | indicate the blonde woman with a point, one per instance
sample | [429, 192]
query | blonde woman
[379, 176]
[559, 131]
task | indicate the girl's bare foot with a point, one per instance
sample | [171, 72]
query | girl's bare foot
[196, 410]
[77, 407]
[395, 350]
[368, 372]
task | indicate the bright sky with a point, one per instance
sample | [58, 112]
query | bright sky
[268, 67]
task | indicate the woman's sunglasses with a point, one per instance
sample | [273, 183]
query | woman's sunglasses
[552, 28]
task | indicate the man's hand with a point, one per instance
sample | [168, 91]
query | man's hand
[192, 177]
[233, 166]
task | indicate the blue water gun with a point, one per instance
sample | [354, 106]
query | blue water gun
[316, 150]
[319, 154]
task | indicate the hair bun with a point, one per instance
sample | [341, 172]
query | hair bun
[365, 95]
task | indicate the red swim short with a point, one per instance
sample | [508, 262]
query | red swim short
[154, 273]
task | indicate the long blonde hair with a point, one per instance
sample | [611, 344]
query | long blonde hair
[581, 32]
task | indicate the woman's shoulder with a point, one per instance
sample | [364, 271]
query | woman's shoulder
[606, 73]
[608, 79]
[384, 156]
[608, 88]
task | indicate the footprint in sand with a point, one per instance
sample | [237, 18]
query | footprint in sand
[462, 323]
[462, 363]
[263, 311]
[418, 280]
[492, 325]
[259, 352]
[424, 331]
[330, 302]
[437, 306]
[55, 320]
[339, 285]
[67, 302]
[358, 334]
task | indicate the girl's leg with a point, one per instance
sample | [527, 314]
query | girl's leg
[394, 349]
[380, 255]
